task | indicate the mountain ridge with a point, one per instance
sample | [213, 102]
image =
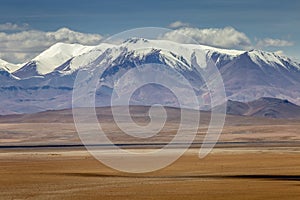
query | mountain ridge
[247, 75]
[73, 50]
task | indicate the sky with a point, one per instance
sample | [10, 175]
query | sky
[28, 27]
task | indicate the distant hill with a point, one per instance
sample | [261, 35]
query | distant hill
[264, 107]
[104, 114]
[238, 112]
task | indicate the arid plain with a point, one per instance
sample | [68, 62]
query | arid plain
[42, 158]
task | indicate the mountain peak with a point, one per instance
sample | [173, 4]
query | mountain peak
[58, 54]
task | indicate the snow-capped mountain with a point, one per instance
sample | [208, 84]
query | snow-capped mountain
[47, 61]
[46, 82]
[256, 74]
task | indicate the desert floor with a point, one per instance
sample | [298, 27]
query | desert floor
[255, 158]
[226, 173]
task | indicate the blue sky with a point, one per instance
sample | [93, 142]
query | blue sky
[258, 20]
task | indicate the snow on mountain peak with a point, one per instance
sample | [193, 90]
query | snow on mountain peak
[8, 66]
[58, 54]
[3, 64]
[271, 59]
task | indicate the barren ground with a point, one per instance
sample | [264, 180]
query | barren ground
[255, 159]
[224, 174]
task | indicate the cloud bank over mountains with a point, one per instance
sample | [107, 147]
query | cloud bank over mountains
[22, 46]
[19, 43]
[227, 37]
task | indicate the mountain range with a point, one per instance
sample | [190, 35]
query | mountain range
[46, 82]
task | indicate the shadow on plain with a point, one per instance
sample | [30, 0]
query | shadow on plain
[251, 176]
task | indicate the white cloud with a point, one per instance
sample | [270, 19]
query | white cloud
[227, 37]
[178, 24]
[23, 46]
[13, 27]
[270, 42]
